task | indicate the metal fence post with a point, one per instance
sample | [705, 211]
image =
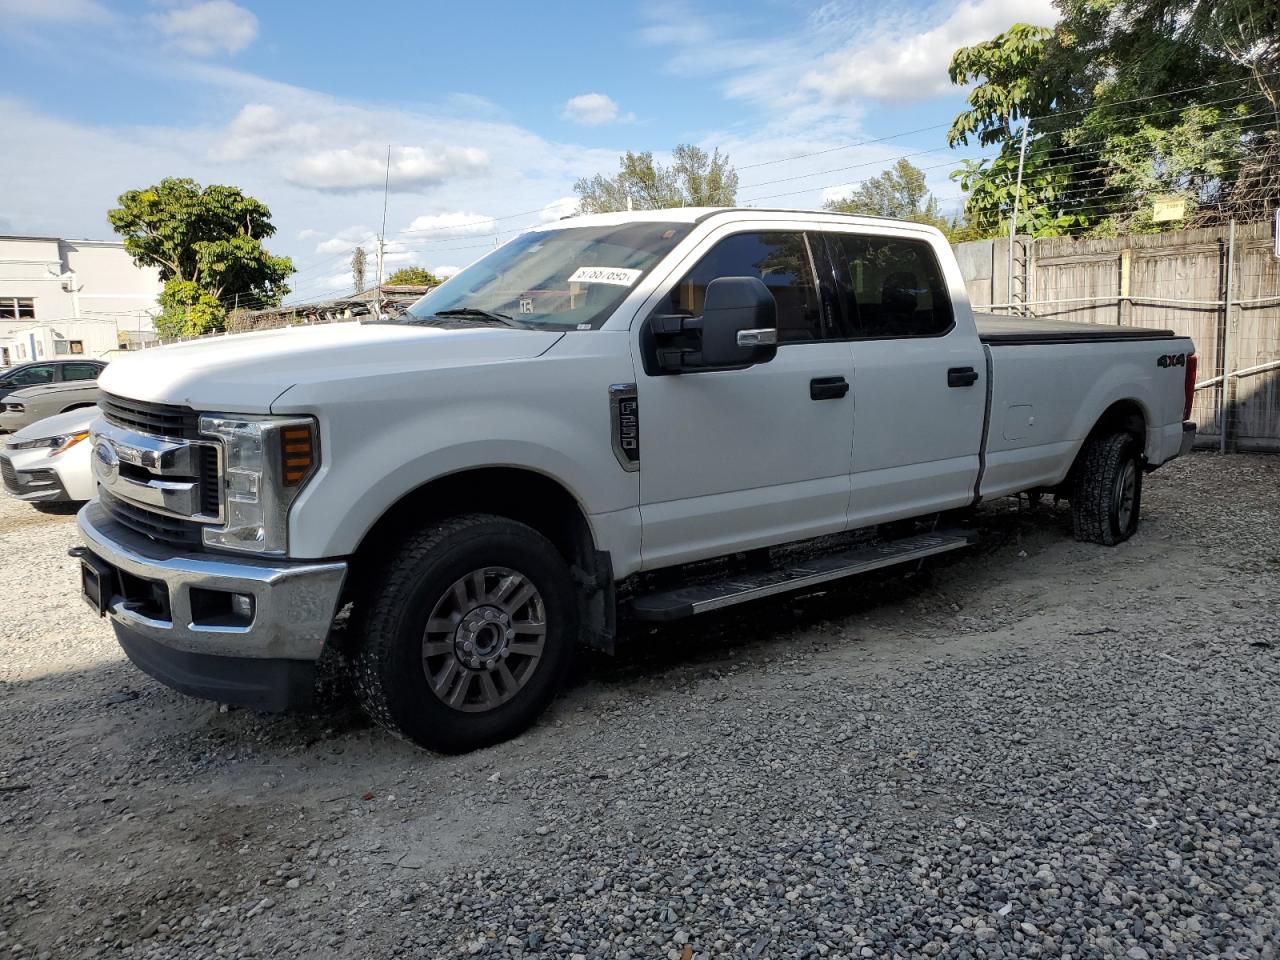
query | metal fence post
[1228, 343]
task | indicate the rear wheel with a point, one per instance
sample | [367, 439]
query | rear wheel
[1106, 499]
[468, 634]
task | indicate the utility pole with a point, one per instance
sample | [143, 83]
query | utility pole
[382, 236]
[1013, 217]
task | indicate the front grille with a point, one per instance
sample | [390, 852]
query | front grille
[210, 482]
[9, 474]
[158, 419]
[180, 533]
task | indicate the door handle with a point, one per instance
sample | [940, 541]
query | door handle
[828, 388]
[962, 377]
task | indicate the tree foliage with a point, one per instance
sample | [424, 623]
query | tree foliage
[900, 192]
[695, 178]
[413, 277]
[1128, 100]
[208, 245]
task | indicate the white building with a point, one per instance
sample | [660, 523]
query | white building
[63, 297]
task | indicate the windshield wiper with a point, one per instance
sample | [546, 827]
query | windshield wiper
[480, 315]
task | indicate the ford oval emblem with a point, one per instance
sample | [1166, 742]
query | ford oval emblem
[106, 462]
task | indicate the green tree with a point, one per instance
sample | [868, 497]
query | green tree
[900, 192]
[208, 245]
[1126, 100]
[695, 178]
[413, 277]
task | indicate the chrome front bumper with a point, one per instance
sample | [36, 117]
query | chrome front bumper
[293, 601]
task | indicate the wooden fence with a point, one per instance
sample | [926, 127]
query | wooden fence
[1222, 292]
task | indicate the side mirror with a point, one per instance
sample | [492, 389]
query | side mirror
[739, 323]
[738, 328]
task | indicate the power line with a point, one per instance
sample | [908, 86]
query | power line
[843, 146]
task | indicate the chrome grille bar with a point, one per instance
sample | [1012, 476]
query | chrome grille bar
[154, 471]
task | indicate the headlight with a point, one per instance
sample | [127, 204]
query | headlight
[56, 445]
[265, 462]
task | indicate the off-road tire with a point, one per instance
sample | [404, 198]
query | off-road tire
[1096, 499]
[390, 624]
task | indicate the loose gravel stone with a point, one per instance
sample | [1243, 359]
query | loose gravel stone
[1038, 748]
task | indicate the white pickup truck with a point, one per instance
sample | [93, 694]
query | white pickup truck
[653, 413]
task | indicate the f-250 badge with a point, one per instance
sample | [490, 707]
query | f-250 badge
[1172, 360]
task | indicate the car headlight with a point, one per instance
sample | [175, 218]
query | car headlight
[266, 461]
[55, 445]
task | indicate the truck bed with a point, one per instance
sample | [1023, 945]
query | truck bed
[999, 330]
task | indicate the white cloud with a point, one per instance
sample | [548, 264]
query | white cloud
[208, 29]
[901, 54]
[53, 10]
[260, 128]
[346, 240]
[559, 209]
[445, 271]
[364, 167]
[339, 281]
[459, 224]
[840, 192]
[591, 109]
[336, 245]
[894, 64]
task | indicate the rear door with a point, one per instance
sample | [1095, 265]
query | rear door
[736, 459]
[81, 370]
[919, 377]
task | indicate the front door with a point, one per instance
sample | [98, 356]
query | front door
[736, 459]
[919, 378]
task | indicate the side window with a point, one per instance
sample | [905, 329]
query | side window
[780, 259]
[80, 371]
[29, 376]
[889, 287]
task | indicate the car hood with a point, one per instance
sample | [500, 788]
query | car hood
[73, 421]
[35, 392]
[244, 373]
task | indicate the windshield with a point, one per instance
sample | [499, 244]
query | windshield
[570, 278]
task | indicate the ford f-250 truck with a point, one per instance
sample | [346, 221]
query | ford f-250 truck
[660, 412]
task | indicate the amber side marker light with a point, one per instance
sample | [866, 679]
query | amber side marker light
[297, 454]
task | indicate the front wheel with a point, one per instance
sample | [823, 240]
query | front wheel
[1106, 499]
[467, 634]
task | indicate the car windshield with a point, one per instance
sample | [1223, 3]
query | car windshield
[573, 277]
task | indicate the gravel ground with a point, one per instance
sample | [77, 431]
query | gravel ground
[1041, 748]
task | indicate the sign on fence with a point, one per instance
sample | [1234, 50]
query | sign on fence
[1166, 209]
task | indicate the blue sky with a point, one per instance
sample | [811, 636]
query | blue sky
[491, 109]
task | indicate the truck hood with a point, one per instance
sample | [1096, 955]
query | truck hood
[244, 373]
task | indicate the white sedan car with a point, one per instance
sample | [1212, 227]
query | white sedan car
[48, 461]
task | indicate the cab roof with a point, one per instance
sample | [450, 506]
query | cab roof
[699, 214]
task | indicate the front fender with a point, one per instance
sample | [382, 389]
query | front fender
[383, 439]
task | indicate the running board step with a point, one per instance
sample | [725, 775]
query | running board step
[703, 597]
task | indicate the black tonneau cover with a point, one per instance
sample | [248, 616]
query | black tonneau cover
[1014, 331]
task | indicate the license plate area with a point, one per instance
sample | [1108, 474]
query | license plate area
[97, 583]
